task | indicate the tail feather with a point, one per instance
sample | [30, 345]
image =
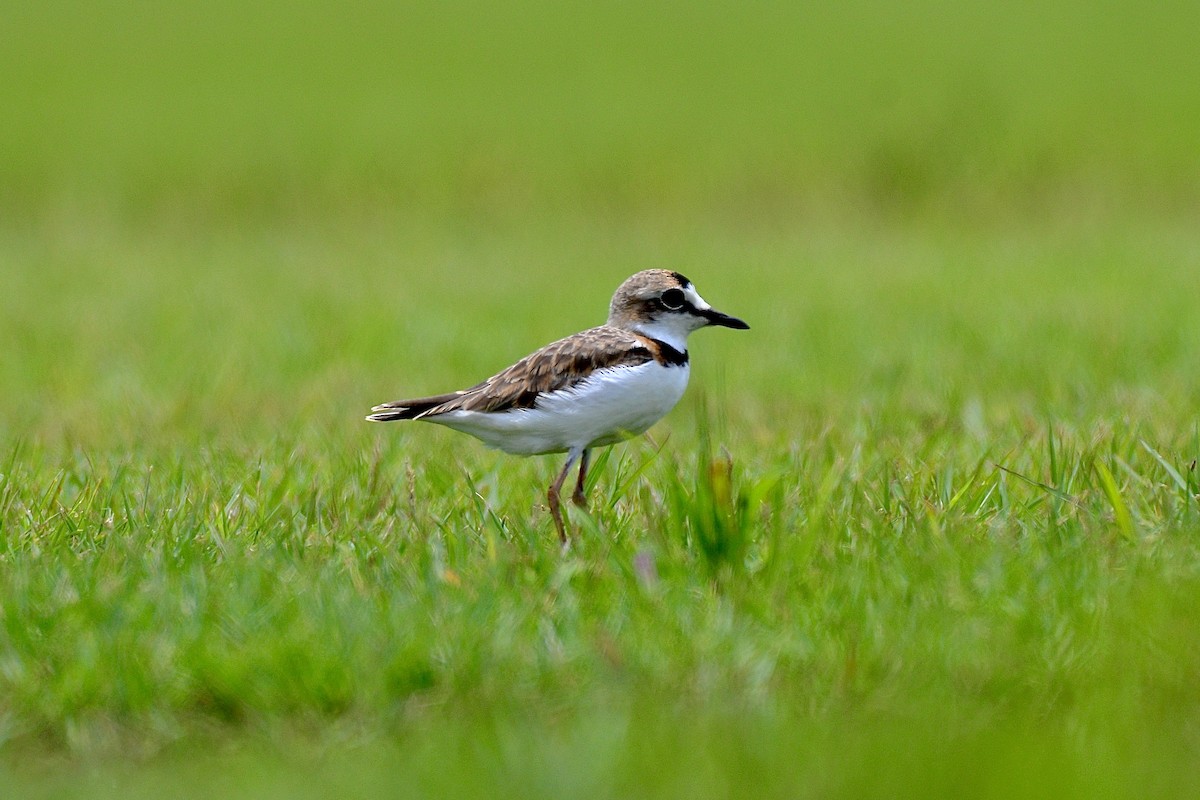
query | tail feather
[409, 409]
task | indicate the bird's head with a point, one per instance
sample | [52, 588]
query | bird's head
[664, 305]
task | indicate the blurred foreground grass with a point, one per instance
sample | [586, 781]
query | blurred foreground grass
[942, 539]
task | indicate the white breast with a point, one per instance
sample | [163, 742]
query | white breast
[610, 405]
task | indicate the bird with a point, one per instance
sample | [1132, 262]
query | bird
[591, 389]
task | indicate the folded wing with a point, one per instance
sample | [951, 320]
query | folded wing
[559, 365]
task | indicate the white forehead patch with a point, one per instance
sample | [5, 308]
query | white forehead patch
[694, 298]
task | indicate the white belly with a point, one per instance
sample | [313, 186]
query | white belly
[610, 405]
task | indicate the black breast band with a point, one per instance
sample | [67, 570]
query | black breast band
[669, 356]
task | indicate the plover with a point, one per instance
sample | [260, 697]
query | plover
[589, 390]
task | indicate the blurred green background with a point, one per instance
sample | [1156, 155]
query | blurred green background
[965, 234]
[252, 111]
[331, 184]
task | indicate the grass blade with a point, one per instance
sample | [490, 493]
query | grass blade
[1120, 511]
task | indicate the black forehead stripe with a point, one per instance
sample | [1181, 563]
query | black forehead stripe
[683, 281]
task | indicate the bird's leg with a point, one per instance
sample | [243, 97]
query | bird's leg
[579, 498]
[552, 496]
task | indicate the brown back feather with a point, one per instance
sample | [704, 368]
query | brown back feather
[558, 365]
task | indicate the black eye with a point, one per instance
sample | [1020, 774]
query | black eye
[673, 299]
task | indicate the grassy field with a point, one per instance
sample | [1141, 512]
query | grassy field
[930, 528]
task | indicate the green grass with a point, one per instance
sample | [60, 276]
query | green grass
[929, 528]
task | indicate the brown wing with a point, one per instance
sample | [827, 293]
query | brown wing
[558, 365]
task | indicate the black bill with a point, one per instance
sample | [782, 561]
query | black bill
[715, 317]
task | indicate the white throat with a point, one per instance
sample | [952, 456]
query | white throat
[669, 331]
